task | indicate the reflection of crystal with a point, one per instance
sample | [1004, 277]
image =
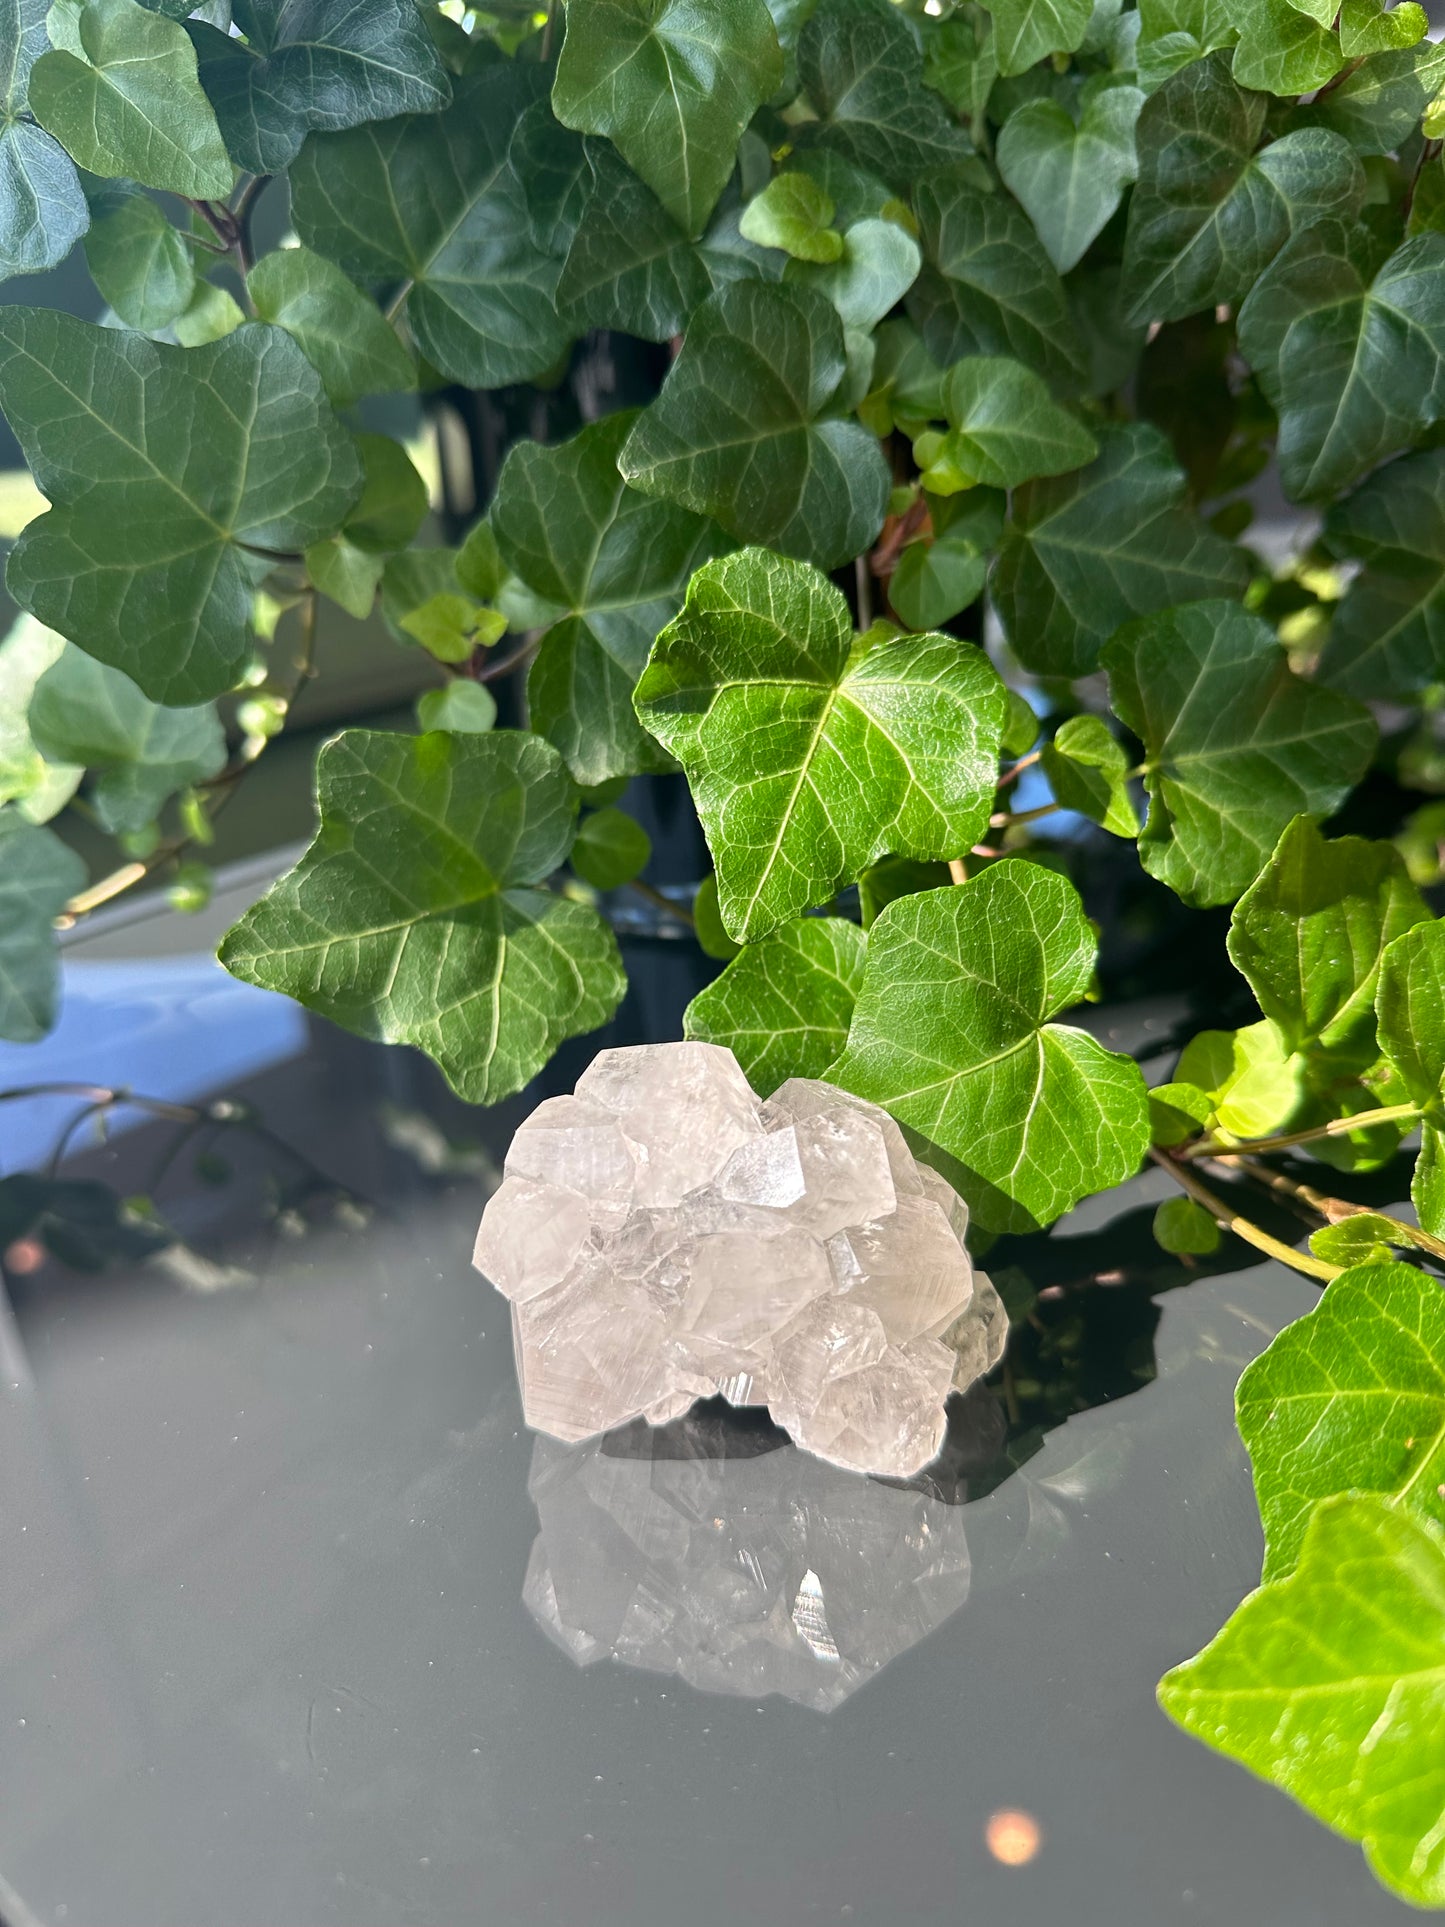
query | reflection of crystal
[771, 1573]
[664, 1235]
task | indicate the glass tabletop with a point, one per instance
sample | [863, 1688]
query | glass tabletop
[300, 1624]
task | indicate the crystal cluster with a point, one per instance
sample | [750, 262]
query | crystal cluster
[664, 1235]
[739, 1574]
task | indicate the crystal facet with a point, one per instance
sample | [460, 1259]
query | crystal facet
[664, 1235]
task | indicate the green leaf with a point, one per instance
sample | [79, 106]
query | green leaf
[82, 712]
[1283, 51]
[1387, 635]
[1088, 770]
[1004, 428]
[1349, 1399]
[1235, 744]
[1088, 551]
[125, 100]
[1331, 1684]
[740, 431]
[878, 265]
[1178, 1112]
[315, 65]
[1378, 106]
[162, 465]
[611, 849]
[430, 201]
[1175, 33]
[1213, 208]
[807, 758]
[1370, 27]
[960, 62]
[1410, 1008]
[1364, 1238]
[38, 877]
[1185, 1228]
[987, 287]
[795, 214]
[38, 788]
[862, 69]
[1070, 176]
[469, 707]
[1311, 929]
[629, 265]
[672, 86]
[211, 315]
[615, 563]
[712, 939]
[393, 503]
[43, 210]
[139, 262]
[348, 575]
[341, 331]
[1026, 31]
[783, 1005]
[952, 1035]
[1248, 1078]
[455, 951]
[1351, 357]
[935, 580]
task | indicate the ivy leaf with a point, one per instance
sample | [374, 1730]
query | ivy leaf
[393, 501]
[862, 69]
[163, 465]
[794, 213]
[616, 562]
[1387, 634]
[341, 331]
[1361, 1239]
[1351, 357]
[1331, 1684]
[1378, 106]
[1282, 51]
[1176, 33]
[38, 877]
[456, 951]
[959, 62]
[878, 265]
[935, 580]
[1085, 552]
[783, 1005]
[1371, 27]
[38, 788]
[738, 431]
[1235, 745]
[1027, 31]
[1410, 1009]
[315, 65]
[43, 210]
[139, 262]
[1248, 1080]
[1213, 208]
[1070, 176]
[611, 849]
[1088, 771]
[1310, 931]
[952, 1035]
[1004, 428]
[1350, 1398]
[82, 712]
[431, 201]
[1185, 1228]
[629, 265]
[124, 99]
[672, 86]
[809, 758]
[987, 287]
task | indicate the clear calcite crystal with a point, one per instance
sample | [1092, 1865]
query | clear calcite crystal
[739, 1572]
[665, 1235]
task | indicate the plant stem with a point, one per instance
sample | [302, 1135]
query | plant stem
[1336, 1210]
[1006, 820]
[393, 307]
[958, 869]
[241, 215]
[1286, 1140]
[865, 591]
[678, 910]
[1228, 1220]
[1024, 762]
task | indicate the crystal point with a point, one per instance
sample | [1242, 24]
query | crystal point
[665, 1236]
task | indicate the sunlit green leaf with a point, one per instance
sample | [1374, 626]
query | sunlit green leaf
[783, 1005]
[1282, 50]
[1410, 1006]
[1248, 1077]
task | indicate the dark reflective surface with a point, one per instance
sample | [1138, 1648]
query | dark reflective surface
[276, 1548]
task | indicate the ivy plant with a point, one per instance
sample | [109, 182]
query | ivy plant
[928, 542]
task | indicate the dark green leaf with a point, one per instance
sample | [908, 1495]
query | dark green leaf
[121, 96]
[611, 849]
[961, 63]
[672, 86]
[808, 760]
[1086, 552]
[454, 950]
[1311, 929]
[1379, 105]
[1026, 31]
[739, 431]
[140, 263]
[38, 876]
[341, 331]
[1185, 1228]
[862, 68]
[1331, 1683]
[431, 201]
[615, 563]
[1353, 359]
[1235, 745]
[163, 464]
[393, 501]
[630, 266]
[783, 1005]
[1387, 636]
[935, 580]
[987, 286]
[1070, 176]
[43, 211]
[952, 1035]
[316, 65]
[1213, 208]
[1087, 768]
[1175, 33]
